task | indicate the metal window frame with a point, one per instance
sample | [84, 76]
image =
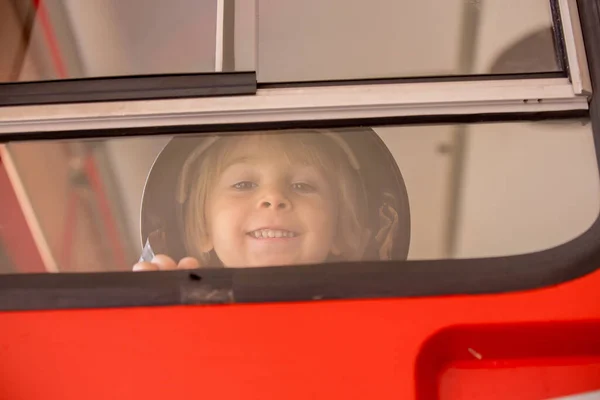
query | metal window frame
[304, 104]
[321, 106]
[575, 47]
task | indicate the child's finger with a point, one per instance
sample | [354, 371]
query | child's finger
[164, 262]
[145, 266]
[188, 263]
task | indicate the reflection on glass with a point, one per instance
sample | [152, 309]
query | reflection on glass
[61, 39]
[283, 40]
[314, 40]
[301, 196]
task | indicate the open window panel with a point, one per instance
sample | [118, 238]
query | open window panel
[283, 40]
[58, 51]
[316, 192]
[64, 39]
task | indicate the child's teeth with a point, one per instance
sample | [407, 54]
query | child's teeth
[270, 233]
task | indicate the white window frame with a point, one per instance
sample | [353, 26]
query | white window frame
[328, 102]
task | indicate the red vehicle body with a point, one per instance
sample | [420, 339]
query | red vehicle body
[532, 344]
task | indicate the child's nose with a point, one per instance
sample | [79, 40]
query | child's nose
[275, 199]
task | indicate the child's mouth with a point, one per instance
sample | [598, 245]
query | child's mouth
[271, 234]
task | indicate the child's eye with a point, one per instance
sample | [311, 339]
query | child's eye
[245, 185]
[303, 188]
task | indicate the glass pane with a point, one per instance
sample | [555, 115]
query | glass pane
[297, 197]
[60, 39]
[314, 40]
[284, 40]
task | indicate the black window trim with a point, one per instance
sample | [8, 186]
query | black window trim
[145, 87]
[362, 280]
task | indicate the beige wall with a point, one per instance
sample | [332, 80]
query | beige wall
[341, 39]
[349, 39]
[527, 187]
[144, 36]
[425, 168]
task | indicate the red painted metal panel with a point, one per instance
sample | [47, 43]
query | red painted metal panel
[319, 350]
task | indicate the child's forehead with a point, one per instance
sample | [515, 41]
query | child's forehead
[267, 140]
[254, 142]
[292, 147]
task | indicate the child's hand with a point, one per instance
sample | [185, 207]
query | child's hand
[161, 262]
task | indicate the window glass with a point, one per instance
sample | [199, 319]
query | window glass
[61, 39]
[283, 40]
[297, 197]
[314, 40]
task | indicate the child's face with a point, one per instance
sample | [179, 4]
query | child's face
[264, 210]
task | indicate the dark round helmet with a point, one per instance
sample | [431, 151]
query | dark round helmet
[386, 196]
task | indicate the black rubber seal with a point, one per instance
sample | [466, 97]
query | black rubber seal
[121, 88]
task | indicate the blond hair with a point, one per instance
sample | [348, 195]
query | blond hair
[329, 154]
